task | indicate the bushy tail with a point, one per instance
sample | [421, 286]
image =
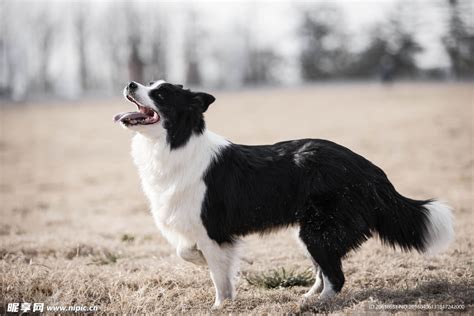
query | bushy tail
[440, 230]
[426, 226]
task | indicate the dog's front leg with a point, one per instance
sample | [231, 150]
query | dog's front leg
[223, 266]
[190, 253]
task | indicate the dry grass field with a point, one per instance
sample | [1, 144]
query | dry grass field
[75, 229]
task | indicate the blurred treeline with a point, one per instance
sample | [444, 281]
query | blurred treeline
[72, 49]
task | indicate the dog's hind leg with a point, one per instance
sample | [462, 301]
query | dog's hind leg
[318, 283]
[328, 261]
[223, 265]
[324, 240]
[330, 228]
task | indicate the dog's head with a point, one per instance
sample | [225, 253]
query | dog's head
[165, 109]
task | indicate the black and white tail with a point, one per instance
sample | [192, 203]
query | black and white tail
[439, 227]
[426, 226]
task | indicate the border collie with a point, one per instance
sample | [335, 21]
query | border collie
[206, 192]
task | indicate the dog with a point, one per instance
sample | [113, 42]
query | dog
[206, 192]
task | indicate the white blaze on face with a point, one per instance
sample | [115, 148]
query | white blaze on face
[142, 93]
[156, 84]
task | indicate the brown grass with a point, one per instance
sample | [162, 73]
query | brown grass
[75, 229]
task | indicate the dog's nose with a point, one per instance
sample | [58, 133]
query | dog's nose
[132, 85]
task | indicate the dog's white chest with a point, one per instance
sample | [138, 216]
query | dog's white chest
[173, 179]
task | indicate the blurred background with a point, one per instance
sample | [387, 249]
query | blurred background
[392, 80]
[72, 49]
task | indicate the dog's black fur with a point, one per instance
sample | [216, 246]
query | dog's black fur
[336, 197]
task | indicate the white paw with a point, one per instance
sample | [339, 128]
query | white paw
[303, 300]
[327, 294]
[317, 287]
[217, 306]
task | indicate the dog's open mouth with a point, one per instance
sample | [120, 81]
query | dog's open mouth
[144, 115]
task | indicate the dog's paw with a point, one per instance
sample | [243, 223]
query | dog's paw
[217, 306]
[223, 300]
[327, 294]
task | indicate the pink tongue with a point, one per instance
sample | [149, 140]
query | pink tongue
[129, 116]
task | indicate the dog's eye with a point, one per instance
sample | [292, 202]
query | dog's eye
[151, 83]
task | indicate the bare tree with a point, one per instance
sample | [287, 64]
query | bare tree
[135, 62]
[260, 65]
[157, 62]
[5, 58]
[134, 38]
[391, 50]
[81, 42]
[113, 35]
[121, 39]
[459, 40]
[259, 62]
[44, 31]
[324, 53]
[193, 32]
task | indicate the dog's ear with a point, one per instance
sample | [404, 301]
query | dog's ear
[203, 100]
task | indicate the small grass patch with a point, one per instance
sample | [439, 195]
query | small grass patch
[278, 278]
[105, 258]
[127, 238]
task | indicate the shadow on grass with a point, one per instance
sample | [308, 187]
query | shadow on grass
[439, 292]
